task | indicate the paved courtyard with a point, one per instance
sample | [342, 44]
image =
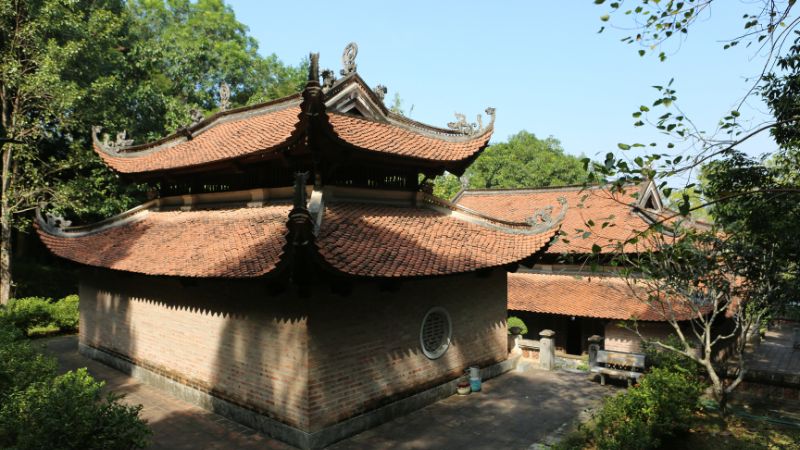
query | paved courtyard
[776, 353]
[515, 411]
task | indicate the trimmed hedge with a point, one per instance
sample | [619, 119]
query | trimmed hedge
[36, 313]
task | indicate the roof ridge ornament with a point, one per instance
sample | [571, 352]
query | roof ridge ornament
[543, 217]
[380, 91]
[462, 126]
[224, 96]
[328, 78]
[106, 144]
[196, 116]
[349, 59]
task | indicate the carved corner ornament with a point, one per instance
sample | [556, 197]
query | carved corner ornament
[463, 126]
[57, 221]
[542, 218]
[349, 59]
[107, 144]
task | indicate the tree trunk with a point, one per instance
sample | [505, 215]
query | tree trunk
[717, 386]
[5, 229]
[5, 255]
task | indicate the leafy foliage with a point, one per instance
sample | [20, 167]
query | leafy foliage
[641, 417]
[36, 313]
[658, 357]
[70, 412]
[20, 364]
[39, 409]
[65, 313]
[26, 313]
[525, 161]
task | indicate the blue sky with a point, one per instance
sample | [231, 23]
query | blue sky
[541, 64]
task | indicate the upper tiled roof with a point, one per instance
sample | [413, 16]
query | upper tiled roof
[602, 297]
[220, 140]
[261, 128]
[230, 243]
[405, 141]
[392, 241]
[594, 204]
[360, 239]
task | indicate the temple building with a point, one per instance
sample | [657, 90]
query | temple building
[293, 270]
[562, 292]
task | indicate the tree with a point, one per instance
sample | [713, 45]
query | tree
[707, 277]
[752, 257]
[524, 161]
[44, 74]
[140, 66]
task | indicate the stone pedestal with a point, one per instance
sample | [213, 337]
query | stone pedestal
[595, 344]
[547, 350]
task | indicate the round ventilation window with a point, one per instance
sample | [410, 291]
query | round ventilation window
[434, 336]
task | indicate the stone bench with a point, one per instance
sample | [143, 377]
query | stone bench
[621, 365]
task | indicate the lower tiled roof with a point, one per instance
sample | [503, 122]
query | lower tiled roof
[392, 241]
[360, 239]
[602, 297]
[230, 243]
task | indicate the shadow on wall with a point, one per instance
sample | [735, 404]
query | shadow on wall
[310, 361]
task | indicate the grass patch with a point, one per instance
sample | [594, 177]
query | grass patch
[711, 431]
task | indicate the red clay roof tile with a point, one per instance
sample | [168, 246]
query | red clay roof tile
[396, 140]
[598, 296]
[220, 142]
[595, 204]
[230, 243]
[392, 241]
[357, 239]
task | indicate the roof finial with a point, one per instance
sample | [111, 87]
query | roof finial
[224, 96]
[349, 59]
[313, 67]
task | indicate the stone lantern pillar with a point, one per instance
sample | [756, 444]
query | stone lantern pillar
[547, 349]
[595, 344]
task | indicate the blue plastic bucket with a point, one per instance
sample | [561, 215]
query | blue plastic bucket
[475, 384]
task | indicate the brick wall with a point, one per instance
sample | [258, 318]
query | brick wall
[623, 340]
[365, 351]
[228, 339]
[308, 362]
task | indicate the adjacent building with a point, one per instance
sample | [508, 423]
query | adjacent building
[562, 292]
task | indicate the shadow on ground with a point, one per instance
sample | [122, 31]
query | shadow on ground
[514, 411]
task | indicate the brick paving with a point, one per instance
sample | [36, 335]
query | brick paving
[776, 353]
[514, 411]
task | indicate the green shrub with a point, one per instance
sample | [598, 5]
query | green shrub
[25, 313]
[639, 418]
[70, 412]
[65, 313]
[514, 321]
[20, 364]
[656, 356]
